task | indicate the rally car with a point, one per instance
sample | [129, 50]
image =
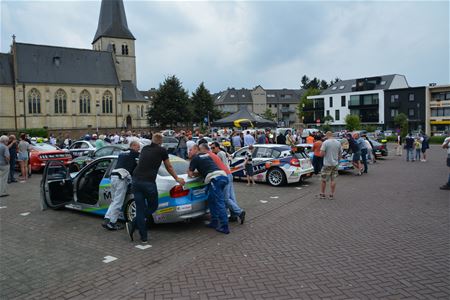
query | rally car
[274, 164]
[89, 190]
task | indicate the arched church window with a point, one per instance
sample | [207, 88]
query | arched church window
[34, 102]
[60, 102]
[138, 111]
[126, 49]
[114, 48]
[85, 102]
[107, 103]
[142, 111]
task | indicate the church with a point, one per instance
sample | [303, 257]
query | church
[62, 88]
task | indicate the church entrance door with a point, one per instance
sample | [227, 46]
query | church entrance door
[129, 122]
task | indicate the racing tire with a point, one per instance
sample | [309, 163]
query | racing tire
[129, 212]
[73, 167]
[276, 177]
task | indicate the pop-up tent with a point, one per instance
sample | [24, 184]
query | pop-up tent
[244, 118]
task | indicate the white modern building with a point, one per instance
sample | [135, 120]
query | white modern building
[362, 96]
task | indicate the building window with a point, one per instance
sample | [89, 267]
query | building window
[411, 112]
[354, 100]
[394, 98]
[142, 111]
[124, 49]
[60, 102]
[270, 105]
[85, 102]
[107, 103]
[128, 107]
[411, 97]
[34, 102]
[270, 96]
[336, 115]
[331, 101]
[394, 112]
[343, 101]
[328, 112]
[114, 48]
[232, 96]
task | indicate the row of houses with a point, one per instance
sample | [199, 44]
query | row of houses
[376, 100]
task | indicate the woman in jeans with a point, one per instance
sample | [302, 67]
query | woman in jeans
[22, 157]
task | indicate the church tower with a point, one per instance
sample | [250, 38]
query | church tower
[113, 35]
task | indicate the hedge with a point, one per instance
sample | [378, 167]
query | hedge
[35, 132]
[437, 139]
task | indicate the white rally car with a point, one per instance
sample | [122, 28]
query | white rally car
[274, 164]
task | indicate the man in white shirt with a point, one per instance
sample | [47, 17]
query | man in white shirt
[190, 143]
[248, 139]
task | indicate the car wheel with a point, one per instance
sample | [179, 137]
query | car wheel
[130, 211]
[74, 168]
[276, 177]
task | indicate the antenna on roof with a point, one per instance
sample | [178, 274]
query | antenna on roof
[14, 38]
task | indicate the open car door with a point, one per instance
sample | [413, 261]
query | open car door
[56, 186]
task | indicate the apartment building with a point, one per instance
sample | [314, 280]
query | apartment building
[437, 115]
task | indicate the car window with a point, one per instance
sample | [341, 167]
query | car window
[241, 153]
[84, 146]
[103, 151]
[181, 166]
[43, 147]
[169, 140]
[263, 153]
[275, 153]
[76, 145]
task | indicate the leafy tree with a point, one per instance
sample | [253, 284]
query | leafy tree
[323, 85]
[269, 115]
[352, 122]
[203, 105]
[171, 104]
[327, 123]
[401, 120]
[305, 102]
[305, 81]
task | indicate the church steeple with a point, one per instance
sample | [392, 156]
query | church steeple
[113, 21]
[114, 35]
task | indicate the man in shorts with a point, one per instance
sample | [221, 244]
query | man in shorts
[331, 152]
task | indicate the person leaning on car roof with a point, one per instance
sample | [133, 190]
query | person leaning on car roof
[144, 184]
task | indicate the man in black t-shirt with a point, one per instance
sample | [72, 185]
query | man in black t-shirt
[144, 186]
[217, 181]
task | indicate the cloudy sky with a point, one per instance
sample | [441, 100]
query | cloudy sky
[248, 43]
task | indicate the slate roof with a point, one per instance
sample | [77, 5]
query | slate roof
[60, 65]
[284, 96]
[349, 85]
[233, 96]
[243, 96]
[131, 93]
[6, 69]
[113, 21]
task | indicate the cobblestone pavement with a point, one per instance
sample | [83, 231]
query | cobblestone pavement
[386, 235]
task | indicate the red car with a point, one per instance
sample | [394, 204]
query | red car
[42, 152]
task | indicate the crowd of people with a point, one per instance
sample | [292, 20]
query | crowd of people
[209, 160]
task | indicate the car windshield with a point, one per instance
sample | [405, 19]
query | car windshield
[375, 143]
[169, 140]
[43, 147]
[180, 166]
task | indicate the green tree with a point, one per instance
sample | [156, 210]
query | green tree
[305, 103]
[401, 120]
[203, 105]
[352, 122]
[171, 104]
[327, 123]
[269, 115]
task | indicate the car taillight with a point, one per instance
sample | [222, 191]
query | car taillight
[178, 191]
[295, 162]
[382, 147]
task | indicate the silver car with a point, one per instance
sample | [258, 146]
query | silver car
[89, 190]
